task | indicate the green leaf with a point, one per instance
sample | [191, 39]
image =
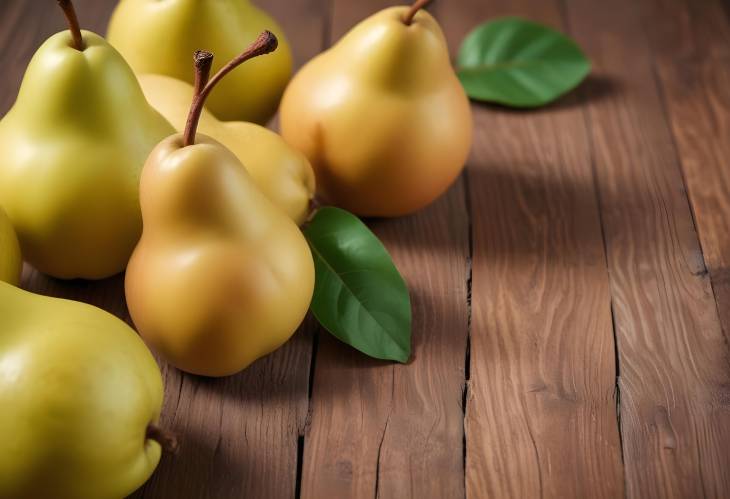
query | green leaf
[519, 63]
[359, 296]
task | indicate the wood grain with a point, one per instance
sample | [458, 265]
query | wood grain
[596, 361]
[394, 431]
[541, 415]
[673, 356]
[694, 74]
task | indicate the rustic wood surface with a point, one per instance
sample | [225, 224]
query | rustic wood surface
[571, 292]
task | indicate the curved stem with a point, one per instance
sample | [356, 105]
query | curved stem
[418, 5]
[265, 43]
[73, 23]
[167, 440]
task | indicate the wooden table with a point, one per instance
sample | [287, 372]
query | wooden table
[571, 292]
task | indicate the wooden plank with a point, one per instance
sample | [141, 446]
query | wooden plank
[306, 24]
[238, 434]
[680, 31]
[386, 430]
[696, 87]
[541, 416]
[695, 77]
[673, 356]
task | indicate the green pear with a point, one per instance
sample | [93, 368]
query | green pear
[80, 394]
[158, 37]
[73, 147]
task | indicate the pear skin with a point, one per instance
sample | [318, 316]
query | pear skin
[11, 262]
[158, 38]
[381, 116]
[80, 391]
[282, 173]
[73, 147]
[220, 277]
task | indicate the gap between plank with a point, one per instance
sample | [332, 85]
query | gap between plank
[327, 24]
[467, 353]
[385, 431]
[584, 97]
[300, 463]
[677, 155]
[325, 43]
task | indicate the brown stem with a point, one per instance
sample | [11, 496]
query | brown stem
[203, 63]
[167, 440]
[73, 23]
[314, 205]
[265, 43]
[418, 5]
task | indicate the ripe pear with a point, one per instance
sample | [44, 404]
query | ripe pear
[381, 115]
[73, 147]
[282, 173]
[80, 394]
[158, 37]
[11, 262]
[220, 276]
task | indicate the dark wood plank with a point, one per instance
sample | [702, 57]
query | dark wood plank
[694, 73]
[237, 435]
[397, 429]
[541, 415]
[306, 24]
[384, 430]
[673, 356]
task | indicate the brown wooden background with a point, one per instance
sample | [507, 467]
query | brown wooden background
[571, 292]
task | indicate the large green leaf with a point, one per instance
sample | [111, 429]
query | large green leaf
[359, 296]
[519, 63]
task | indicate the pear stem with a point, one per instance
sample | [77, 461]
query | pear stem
[418, 5]
[167, 440]
[73, 23]
[203, 63]
[264, 44]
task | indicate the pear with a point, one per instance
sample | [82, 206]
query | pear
[73, 147]
[157, 37]
[80, 394]
[282, 173]
[220, 276]
[381, 115]
[11, 263]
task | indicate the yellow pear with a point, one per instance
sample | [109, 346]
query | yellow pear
[282, 173]
[381, 115]
[11, 263]
[158, 37]
[80, 394]
[73, 146]
[220, 276]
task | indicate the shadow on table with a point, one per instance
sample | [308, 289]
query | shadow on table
[595, 87]
[199, 469]
[107, 294]
[234, 432]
